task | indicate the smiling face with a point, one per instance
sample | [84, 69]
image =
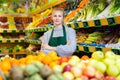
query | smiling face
[57, 17]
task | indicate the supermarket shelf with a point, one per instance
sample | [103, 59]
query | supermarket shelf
[38, 42]
[48, 6]
[15, 15]
[110, 21]
[40, 29]
[11, 40]
[12, 52]
[11, 31]
[89, 49]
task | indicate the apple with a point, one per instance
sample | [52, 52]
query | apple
[92, 62]
[77, 72]
[5, 26]
[112, 70]
[75, 58]
[100, 66]
[110, 78]
[98, 55]
[118, 66]
[68, 75]
[57, 68]
[81, 65]
[93, 79]
[99, 75]
[108, 61]
[118, 77]
[110, 54]
[73, 62]
[89, 71]
[64, 64]
[67, 68]
[3, 19]
[83, 77]
[78, 78]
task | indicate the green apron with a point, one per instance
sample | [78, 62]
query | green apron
[56, 41]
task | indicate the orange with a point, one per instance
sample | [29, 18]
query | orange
[52, 54]
[63, 59]
[52, 64]
[47, 60]
[1, 78]
[84, 57]
[5, 65]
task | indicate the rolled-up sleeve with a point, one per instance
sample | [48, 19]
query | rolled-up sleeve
[67, 50]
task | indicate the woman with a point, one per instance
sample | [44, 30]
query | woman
[60, 39]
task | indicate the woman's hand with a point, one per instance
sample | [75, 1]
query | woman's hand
[46, 46]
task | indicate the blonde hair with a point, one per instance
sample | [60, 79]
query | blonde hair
[58, 9]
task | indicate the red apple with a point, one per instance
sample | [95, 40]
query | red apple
[77, 72]
[67, 68]
[95, 79]
[4, 26]
[99, 75]
[110, 78]
[89, 71]
[83, 77]
[3, 19]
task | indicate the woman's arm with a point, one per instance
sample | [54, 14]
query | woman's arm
[70, 47]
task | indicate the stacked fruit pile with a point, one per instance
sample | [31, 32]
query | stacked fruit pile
[101, 66]
[14, 23]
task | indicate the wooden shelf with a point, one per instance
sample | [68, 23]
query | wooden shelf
[109, 21]
[11, 40]
[89, 49]
[11, 31]
[31, 41]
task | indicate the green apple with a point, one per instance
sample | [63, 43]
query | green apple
[92, 62]
[112, 70]
[78, 78]
[57, 68]
[110, 54]
[68, 75]
[118, 77]
[100, 66]
[98, 55]
[74, 57]
[109, 61]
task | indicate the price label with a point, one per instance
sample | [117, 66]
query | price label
[111, 21]
[76, 25]
[8, 41]
[86, 49]
[13, 31]
[116, 51]
[97, 23]
[85, 24]
[5, 31]
[98, 49]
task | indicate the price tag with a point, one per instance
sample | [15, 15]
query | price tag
[116, 51]
[76, 25]
[111, 21]
[16, 41]
[98, 49]
[0, 41]
[21, 31]
[69, 25]
[8, 41]
[4, 31]
[86, 49]
[85, 24]
[13, 31]
[97, 23]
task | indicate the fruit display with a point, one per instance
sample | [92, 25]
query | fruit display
[98, 37]
[101, 66]
[13, 23]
